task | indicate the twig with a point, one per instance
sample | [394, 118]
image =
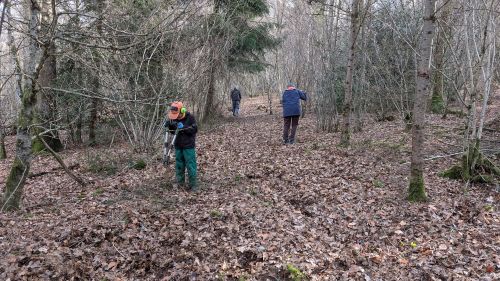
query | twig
[489, 129]
[450, 144]
[438, 156]
[113, 243]
[449, 155]
[35, 175]
[112, 140]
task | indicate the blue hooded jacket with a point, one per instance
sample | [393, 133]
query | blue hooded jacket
[291, 102]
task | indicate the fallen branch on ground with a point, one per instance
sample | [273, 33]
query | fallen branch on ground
[61, 162]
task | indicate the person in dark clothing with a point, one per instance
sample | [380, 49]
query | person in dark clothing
[185, 153]
[236, 99]
[291, 112]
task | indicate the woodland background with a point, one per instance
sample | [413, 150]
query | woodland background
[404, 107]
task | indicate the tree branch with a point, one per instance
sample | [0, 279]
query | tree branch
[61, 162]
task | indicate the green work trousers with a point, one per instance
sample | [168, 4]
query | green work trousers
[185, 158]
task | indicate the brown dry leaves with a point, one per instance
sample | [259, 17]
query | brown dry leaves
[333, 213]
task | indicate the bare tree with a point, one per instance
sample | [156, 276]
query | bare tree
[347, 108]
[424, 51]
[99, 6]
[21, 166]
[479, 46]
[46, 109]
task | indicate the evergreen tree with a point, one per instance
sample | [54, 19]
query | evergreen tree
[234, 21]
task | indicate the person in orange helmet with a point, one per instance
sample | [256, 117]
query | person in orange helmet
[185, 143]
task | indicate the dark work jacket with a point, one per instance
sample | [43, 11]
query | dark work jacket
[235, 95]
[186, 137]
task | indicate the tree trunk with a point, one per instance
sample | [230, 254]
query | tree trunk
[326, 103]
[3, 152]
[359, 97]
[46, 106]
[437, 99]
[46, 109]
[15, 59]
[78, 131]
[417, 187]
[209, 104]
[21, 166]
[270, 101]
[97, 82]
[93, 121]
[473, 162]
[347, 110]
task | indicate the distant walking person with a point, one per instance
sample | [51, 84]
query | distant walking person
[236, 99]
[291, 112]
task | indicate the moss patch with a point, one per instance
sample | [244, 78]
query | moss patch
[417, 190]
[294, 273]
[14, 185]
[454, 172]
[3, 152]
[437, 104]
[37, 146]
[483, 179]
[216, 214]
[378, 183]
[138, 165]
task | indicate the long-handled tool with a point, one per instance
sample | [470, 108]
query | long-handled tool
[167, 149]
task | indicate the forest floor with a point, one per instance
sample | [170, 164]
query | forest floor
[265, 212]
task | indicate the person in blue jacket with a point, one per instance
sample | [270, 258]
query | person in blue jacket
[291, 112]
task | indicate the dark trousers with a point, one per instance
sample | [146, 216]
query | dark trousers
[290, 120]
[236, 107]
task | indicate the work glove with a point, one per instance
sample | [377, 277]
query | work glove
[180, 125]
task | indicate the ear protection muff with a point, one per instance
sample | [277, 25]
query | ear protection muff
[183, 110]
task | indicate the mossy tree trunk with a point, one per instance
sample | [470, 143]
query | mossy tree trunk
[475, 167]
[437, 99]
[21, 166]
[470, 159]
[347, 108]
[46, 109]
[416, 191]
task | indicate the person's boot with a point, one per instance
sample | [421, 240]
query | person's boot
[291, 141]
[193, 187]
[285, 141]
[193, 184]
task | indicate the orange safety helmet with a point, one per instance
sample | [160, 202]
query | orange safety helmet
[176, 111]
